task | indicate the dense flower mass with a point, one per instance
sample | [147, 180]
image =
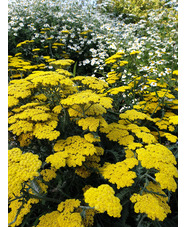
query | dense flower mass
[93, 113]
[119, 173]
[159, 157]
[87, 97]
[72, 151]
[35, 120]
[50, 219]
[22, 167]
[25, 209]
[103, 199]
[155, 206]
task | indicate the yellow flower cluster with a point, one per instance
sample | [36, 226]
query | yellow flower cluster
[115, 61]
[18, 89]
[87, 109]
[87, 97]
[90, 123]
[141, 132]
[161, 158]
[25, 139]
[135, 52]
[119, 173]
[24, 209]
[89, 82]
[91, 138]
[175, 72]
[153, 101]
[57, 160]
[34, 120]
[65, 31]
[173, 120]
[63, 72]
[62, 63]
[35, 112]
[48, 174]
[133, 115]
[69, 205]
[36, 49]
[12, 101]
[85, 32]
[103, 199]
[146, 137]
[122, 63]
[116, 132]
[19, 67]
[40, 97]
[169, 137]
[49, 78]
[133, 146]
[113, 76]
[164, 122]
[120, 132]
[46, 130]
[49, 219]
[149, 105]
[168, 123]
[155, 206]
[68, 216]
[21, 126]
[91, 164]
[87, 103]
[89, 217]
[72, 151]
[21, 168]
[116, 90]
[70, 219]
[163, 93]
[57, 109]
[114, 58]
[24, 42]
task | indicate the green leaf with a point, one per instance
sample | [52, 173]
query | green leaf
[74, 69]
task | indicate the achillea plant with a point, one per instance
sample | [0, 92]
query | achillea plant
[70, 132]
[92, 116]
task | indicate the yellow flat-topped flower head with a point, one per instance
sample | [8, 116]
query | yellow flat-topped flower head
[119, 173]
[160, 158]
[103, 199]
[72, 152]
[62, 63]
[135, 52]
[22, 168]
[155, 206]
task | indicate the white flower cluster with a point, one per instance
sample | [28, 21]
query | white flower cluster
[106, 36]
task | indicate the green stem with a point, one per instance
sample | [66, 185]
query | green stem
[150, 177]
[88, 107]
[50, 49]
[156, 193]
[159, 137]
[44, 198]
[38, 196]
[113, 112]
[155, 109]
[86, 207]
[158, 224]
[18, 211]
[139, 224]
[76, 110]
[15, 199]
